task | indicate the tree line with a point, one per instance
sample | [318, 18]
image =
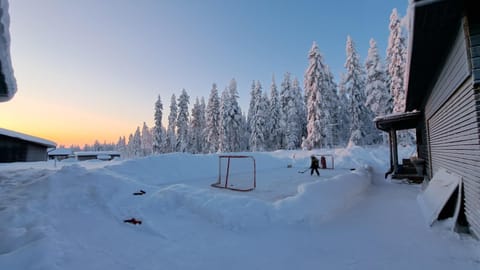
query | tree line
[321, 114]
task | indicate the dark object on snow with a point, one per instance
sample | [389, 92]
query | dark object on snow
[134, 221]
[141, 192]
[353, 169]
[323, 161]
[314, 165]
[303, 170]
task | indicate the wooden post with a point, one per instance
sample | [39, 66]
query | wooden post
[394, 150]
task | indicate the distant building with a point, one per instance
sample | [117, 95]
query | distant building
[60, 153]
[100, 155]
[18, 147]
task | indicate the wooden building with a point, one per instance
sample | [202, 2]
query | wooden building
[19, 147]
[443, 85]
[100, 155]
[60, 153]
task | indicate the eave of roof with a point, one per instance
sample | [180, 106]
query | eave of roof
[28, 138]
[398, 121]
[434, 25]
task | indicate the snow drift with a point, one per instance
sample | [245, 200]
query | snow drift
[69, 215]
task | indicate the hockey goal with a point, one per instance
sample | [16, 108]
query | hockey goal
[236, 173]
[326, 161]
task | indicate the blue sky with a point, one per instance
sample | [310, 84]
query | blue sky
[95, 67]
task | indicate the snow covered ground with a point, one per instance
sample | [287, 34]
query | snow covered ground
[69, 215]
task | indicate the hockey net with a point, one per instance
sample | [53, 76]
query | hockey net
[236, 173]
[326, 161]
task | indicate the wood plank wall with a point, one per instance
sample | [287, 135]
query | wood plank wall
[452, 119]
[474, 29]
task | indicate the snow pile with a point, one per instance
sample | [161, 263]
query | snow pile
[314, 203]
[71, 215]
[322, 200]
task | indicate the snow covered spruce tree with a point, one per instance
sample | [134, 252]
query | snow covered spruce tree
[236, 118]
[224, 142]
[97, 146]
[195, 142]
[331, 102]
[301, 111]
[147, 140]
[136, 143]
[258, 119]
[362, 129]
[250, 110]
[291, 111]
[379, 99]
[213, 121]
[129, 148]
[396, 61]
[268, 117]
[244, 135]
[318, 92]
[121, 146]
[203, 124]
[171, 140]
[182, 121]
[231, 120]
[274, 129]
[344, 118]
[158, 130]
[285, 97]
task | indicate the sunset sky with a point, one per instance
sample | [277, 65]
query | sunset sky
[93, 69]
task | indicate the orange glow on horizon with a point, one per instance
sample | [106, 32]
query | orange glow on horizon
[64, 123]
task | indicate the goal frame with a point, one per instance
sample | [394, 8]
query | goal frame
[219, 184]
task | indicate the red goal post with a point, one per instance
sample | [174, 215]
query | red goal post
[236, 172]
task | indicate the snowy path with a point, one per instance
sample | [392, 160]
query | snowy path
[386, 231]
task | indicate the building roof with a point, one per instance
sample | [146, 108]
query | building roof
[433, 27]
[28, 138]
[61, 152]
[96, 153]
[398, 121]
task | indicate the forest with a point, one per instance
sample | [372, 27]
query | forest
[320, 113]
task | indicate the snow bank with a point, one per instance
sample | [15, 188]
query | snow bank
[322, 200]
[314, 203]
[182, 181]
[71, 216]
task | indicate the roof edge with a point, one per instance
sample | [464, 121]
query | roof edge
[28, 138]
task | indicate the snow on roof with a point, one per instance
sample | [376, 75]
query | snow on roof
[396, 115]
[97, 153]
[60, 152]
[5, 59]
[28, 138]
